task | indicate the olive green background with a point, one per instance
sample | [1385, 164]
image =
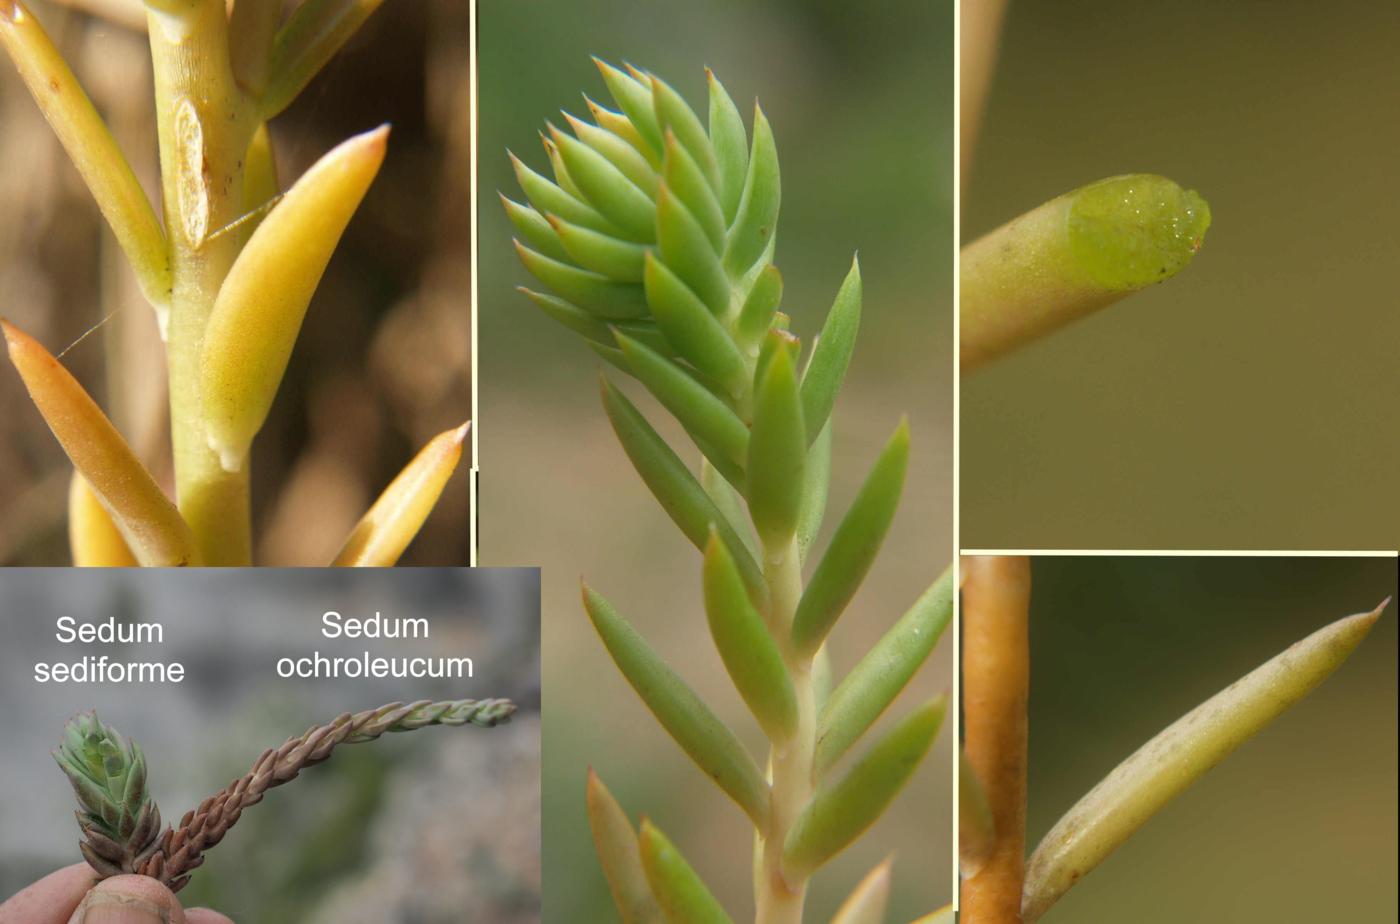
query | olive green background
[1251, 402]
[1299, 824]
[860, 99]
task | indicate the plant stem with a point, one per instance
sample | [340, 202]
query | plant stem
[780, 901]
[996, 684]
[205, 125]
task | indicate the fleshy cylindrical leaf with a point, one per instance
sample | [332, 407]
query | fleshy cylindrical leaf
[672, 484]
[1072, 256]
[854, 546]
[1162, 768]
[314, 32]
[748, 650]
[699, 732]
[687, 252]
[621, 858]
[832, 353]
[94, 152]
[753, 228]
[608, 189]
[604, 297]
[619, 260]
[777, 453]
[764, 298]
[866, 904]
[692, 329]
[258, 312]
[152, 527]
[619, 153]
[549, 199]
[389, 526]
[682, 893]
[93, 538]
[840, 812]
[816, 480]
[873, 683]
[621, 126]
[535, 229]
[675, 116]
[634, 99]
[729, 502]
[708, 419]
[731, 145]
[683, 177]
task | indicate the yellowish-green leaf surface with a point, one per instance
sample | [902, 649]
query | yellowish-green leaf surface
[92, 536]
[260, 306]
[149, 522]
[389, 526]
[616, 843]
[1162, 768]
[683, 895]
[93, 150]
[866, 904]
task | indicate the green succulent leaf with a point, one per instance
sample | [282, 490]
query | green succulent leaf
[840, 812]
[677, 118]
[815, 481]
[705, 417]
[634, 99]
[594, 292]
[616, 259]
[854, 546]
[621, 857]
[866, 903]
[621, 154]
[549, 199]
[748, 650]
[755, 224]
[831, 354]
[535, 229]
[777, 453]
[731, 145]
[607, 188]
[692, 329]
[314, 32]
[683, 895]
[756, 315]
[699, 732]
[686, 251]
[674, 487]
[873, 684]
[617, 123]
[683, 177]
[729, 502]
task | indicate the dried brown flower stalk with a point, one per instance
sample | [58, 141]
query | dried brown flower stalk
[91, 747]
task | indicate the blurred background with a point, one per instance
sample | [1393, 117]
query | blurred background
[383, 362]
[437, 826]
[1251, 401]
[860, 98]
[1299, 824]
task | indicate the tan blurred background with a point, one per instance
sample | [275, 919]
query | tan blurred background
[1250, 402]
[383, 362]
[1299, 824]
[860, 101]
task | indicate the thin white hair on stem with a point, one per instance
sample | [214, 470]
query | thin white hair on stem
[247, 216]
[87, 333]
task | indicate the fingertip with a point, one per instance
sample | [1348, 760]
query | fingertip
[206, 916]
[129, 900]
[52, 898]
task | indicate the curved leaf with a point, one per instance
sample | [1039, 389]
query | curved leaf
[634, 99]
[873, 684]
[621, 126]
[389, 526]
[683, 177]
[260, 306]
[608, 189]
[315, 31]
[753, 229]
[535, 228]
[549, 199]
[748, 650]
[1162, 768]
[621, 154]
[619, 260]
[730, 143]
[854, 546]
[673, 115]
[756, 315]
[682, 893]
[692, 329]
[832, 352]
[699, 732]
[621, 858]
[594, 292]
[777, 453]
[93, 538]
[840, 812]
[672, 484]
[866, 903]
[152, 527]
[687, 252]
[815, 481]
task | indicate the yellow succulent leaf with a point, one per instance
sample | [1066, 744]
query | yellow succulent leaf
[385, 531]
[92, 536]
[152, 527]
[261, 304]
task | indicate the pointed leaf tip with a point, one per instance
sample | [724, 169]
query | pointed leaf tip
[1166, 765]
[615, 841]
[682, 893]
[866, 903]
[387, 528]
[258, 313]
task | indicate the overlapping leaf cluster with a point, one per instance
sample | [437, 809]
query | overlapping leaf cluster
[230, 297]
[653, 234]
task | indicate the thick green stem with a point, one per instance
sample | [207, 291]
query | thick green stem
[205, 125]
[792, 761]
